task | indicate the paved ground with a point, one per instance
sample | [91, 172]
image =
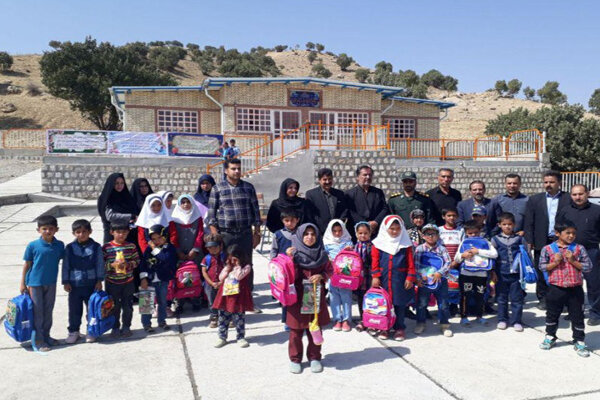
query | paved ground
[476, 363]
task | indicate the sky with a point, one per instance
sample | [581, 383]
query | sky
[478, 41]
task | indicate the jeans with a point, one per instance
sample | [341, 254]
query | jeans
[161, 288]
[441, 296]
[78, 296]
[211, 293]
[239, 320]
[340, 301]
[123, 298]
[592, 280]
[509, 288]
[43, 298]
[541, 287]
[556, 299]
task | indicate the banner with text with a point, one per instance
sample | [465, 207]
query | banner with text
[194, 144]
[69, 141]
[148, 143]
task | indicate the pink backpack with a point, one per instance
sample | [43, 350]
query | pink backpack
[187, 282]
[378, 310]
[347, 270]
[281, 277]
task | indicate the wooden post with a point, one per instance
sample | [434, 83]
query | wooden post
[408, 149]
[320, 134]
[353, 135]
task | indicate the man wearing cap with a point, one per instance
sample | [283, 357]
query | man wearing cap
[402, 203]
[465, 207]
[479, 214]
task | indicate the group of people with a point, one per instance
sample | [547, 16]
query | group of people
[148, 236]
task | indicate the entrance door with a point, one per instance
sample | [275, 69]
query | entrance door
[283, 123]
[323, 135]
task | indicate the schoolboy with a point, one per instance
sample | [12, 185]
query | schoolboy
[39, 276]
[508, 285]
[82, 273]
[450, 234]
[479, 215]
[212, 264]
[120, 259]
[564, 262]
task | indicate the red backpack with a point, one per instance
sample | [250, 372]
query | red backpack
[187, 282]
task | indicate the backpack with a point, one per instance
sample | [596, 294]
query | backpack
[525, 267]
[434, 263]
[18, 320]
[187, 282]
[100, 317]
[378, 311]
[572, 247]
[282, 275]
[347, 270]
[477, 263]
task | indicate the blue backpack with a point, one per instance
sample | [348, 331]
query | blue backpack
[434, 263]
[476, 263]
[100, 318]
[18, 320]
[525, 265]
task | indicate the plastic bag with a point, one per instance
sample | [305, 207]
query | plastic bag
[146, 300]
[313, 327]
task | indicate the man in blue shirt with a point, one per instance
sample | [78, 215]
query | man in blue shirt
[39, 277]
[513, 201]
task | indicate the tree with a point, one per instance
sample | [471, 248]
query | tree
[408, 78]
[529, 93]
[320, 71]
[450, 83]
[320, 47]
[383, 66]
[418, 91]
[344, 61]
[54, 44]
[206, 65]
[513, 87]
[193, 46]
[310, 46]
[594, 102]
[156, 43]
[312, 56]
[6, 61]
[175, 43]
[166, 58]
[82, 73]
[280, 47]
[433, 78]
[501, 87]
[361, 74]
[549, 94]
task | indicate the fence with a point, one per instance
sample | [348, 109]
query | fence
[590, 179]
[24, 139]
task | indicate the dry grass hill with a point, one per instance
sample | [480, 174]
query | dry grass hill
[34, 108]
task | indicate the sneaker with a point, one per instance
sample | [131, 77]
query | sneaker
[170, 313]
[220, 343]
[518, 327]
[359, 327]
[243, 343]
[337, 327]
[446, 331]
[90, 339]
[114, 334]
[316, 366]
[372, 332]
[72, 338]
[213, 324]
[481, 321]
[149, 329]
[384, 335]
[419, 328]
[502, 325]
[164, 326]
[346, 326]
[465, 322]
[44, 348]
[548, 343]
[408, 313]
[295, 368]
[51, 342]
[581, 349]
[126, 333]
[399, 335]
[593, 322]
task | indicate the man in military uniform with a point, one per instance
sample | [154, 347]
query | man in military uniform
[402, 203]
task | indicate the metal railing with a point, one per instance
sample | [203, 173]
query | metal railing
[590, 179]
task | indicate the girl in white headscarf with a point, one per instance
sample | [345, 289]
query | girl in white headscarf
[152, 213]
[188, 236]
[167, 199]
[336, 238]
[393, 268]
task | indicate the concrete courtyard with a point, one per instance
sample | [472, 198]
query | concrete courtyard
[477, 363]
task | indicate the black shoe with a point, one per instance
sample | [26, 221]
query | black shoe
[593, 322]
[490, 310]
[541, 305]
[408, 313]
[568, 318]
[453, 308]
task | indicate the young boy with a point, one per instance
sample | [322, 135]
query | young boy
[282, 241]
[120, 259]
[82, 273]
[479, 215]
[425, 272]
[451, 236]
[212, 264]
[508, 285]
[472, 283]
[418, 219]
[158, 268]
[564, 261]
[39, 276]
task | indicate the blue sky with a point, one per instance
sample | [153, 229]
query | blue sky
[476, 41]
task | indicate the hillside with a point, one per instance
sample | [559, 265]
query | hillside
[467, 120]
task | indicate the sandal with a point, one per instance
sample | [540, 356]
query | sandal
[359, 327]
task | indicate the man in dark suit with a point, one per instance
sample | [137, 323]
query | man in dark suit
[540, 215]
[465, 207]
[325, 202]
[365, 202]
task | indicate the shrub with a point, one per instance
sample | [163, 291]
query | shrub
[319, 70]
[361, 74]
[344, 61]
[6, 61]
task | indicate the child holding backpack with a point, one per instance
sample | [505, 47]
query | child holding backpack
[508, 285]
[82, 274]
[234, 298]
[212, 266]
[336, 239]
[564, 262]
[363, 247]
[158, 267]
[393, 269]
[432, 262]
[312, 264]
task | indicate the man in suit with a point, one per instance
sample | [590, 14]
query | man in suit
[465, 207]
[326, 202]
[540, 215]
[365, 202]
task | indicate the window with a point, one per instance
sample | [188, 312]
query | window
[402, 128]
[177, 121]
[253, 120]
[350, 118]
[284, 122]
